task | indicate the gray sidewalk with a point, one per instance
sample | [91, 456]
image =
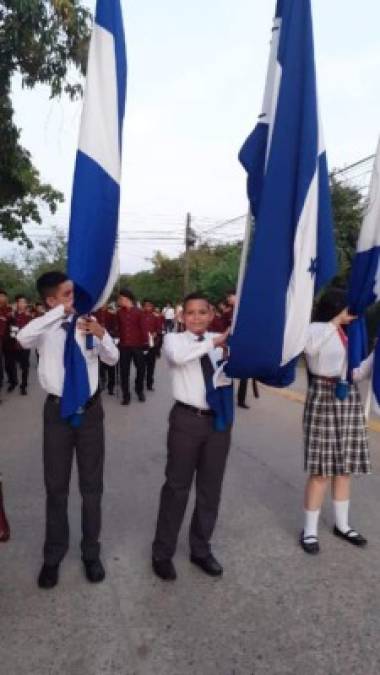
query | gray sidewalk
[276, 611]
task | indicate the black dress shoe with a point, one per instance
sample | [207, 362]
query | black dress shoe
[150, 388]
[11, 388]
[351, 536]
[126, 400]
[209, 565]
[311, 547]
[110, 392]
[48, 577]
[141, 398]
[243, 405]
[95, 571]
[23, 391]
[164, 569]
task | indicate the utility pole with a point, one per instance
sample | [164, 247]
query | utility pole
[190, 241]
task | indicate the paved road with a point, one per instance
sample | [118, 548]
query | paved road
[276, 611]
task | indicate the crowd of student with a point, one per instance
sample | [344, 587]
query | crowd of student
[335, 430]
[137, 328]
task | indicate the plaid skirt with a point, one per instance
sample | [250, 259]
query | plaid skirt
[335, 432]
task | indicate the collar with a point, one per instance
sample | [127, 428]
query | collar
[194, 337]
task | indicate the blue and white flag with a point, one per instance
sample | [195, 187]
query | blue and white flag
[292, 252]
[92, 247]
[364, 287]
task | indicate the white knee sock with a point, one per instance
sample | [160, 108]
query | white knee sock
[341, 515]
[311, 523]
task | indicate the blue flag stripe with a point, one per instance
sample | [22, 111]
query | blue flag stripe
[95, 202]
[293, 243]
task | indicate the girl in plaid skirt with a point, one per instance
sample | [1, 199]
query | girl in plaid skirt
[335, 431]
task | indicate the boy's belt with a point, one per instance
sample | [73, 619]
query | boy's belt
[201, 412]
[57, 399]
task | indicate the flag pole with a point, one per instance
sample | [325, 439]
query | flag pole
[243, 265]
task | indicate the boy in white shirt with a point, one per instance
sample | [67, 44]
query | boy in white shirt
[48, 334]
[194, 446]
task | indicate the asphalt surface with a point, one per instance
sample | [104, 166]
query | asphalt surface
[275, 611]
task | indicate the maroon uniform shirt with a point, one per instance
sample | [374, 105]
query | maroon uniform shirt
[108, 320]
[18, 319]
[131, 327]
[5, 313]
[217, 325]
[151, 325]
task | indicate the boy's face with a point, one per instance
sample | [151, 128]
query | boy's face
[197, 316]
[63, 295]
[148, 307]
[231, 299]
[123, 301]
[21, 305]
[3, 300]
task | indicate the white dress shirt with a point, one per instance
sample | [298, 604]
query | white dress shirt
[169, 313]
[326, 354]
[183, 352]
[47, 335]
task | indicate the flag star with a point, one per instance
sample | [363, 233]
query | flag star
[313, 267]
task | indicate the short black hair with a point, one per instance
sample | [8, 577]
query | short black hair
[48, 283]
[126, 293]
[330, 305]
[147, 300]
[231, 291]
[3, 292]
[196, 295]
[21, 296]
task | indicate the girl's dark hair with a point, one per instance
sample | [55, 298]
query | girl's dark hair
[330, 304]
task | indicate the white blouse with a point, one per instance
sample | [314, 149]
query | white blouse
[327, 356]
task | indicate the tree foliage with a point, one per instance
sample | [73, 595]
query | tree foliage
[19, 275]
[45, 41]
[348, 209]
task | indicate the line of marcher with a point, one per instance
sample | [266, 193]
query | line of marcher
[335, 431]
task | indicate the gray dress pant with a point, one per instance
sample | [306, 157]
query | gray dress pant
[194, 449]
[60, 442]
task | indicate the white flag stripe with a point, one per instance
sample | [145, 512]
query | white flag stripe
[112, 279]
[370, 232]
[300, 294]
[99, 133]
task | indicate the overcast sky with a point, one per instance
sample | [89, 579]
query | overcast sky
[196, 77]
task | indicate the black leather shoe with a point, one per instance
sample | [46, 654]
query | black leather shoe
[209, 565]
[126, 400]
[48, 577]
[95, 571]
[351, 536]
[11, 388]
[164, 569]
[150, 388]
[23, 391]
[243, 405]
[141, 398]
[110, 392]
[311, 547]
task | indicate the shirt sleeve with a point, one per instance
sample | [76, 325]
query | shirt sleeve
[107, 350]
[30, 335]
[318, 334]
[364, 371]
[179, 352]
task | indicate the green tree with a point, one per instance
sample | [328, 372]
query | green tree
[348, 206]
[45, 41]
[13, 279]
